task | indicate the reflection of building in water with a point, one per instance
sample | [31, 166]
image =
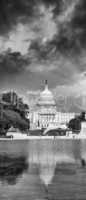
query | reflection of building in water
[46, 112]
[47, 154]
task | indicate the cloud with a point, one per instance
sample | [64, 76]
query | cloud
[72, 31]
[41, 21]
[71, 97]
[12, 12]
[46, 38]
[67, 11]
[39, 26]
[45, 24]
[74, 89]
[19, 39]
[12, 63]
[45, 59]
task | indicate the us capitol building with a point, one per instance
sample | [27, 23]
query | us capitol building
[46, 111]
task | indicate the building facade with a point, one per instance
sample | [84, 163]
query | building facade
[46, 111]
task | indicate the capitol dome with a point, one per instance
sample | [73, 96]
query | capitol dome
[46, 97]
[46, 107]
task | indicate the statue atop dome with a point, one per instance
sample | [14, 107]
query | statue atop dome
[46, 84]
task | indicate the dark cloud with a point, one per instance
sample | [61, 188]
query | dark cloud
[41, 51]
[12, 63]
[67, 41]
[79, 23]
[14, 11]
[71, 34]
[70, 38]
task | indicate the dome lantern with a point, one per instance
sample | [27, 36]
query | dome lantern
[46, 85]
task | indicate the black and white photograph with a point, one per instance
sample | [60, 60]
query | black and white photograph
[42, 99]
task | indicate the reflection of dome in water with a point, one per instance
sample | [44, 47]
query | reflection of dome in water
[46, 97]
[47, 173]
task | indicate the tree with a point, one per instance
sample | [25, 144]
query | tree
[75, 124]
[82, 116]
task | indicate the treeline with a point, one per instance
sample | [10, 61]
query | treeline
[13, 112]
[75, 123]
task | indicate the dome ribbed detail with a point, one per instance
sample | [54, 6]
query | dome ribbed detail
[46, 97]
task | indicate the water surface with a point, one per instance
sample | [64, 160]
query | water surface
[43, 170]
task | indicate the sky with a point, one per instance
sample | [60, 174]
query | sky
[43, 39]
